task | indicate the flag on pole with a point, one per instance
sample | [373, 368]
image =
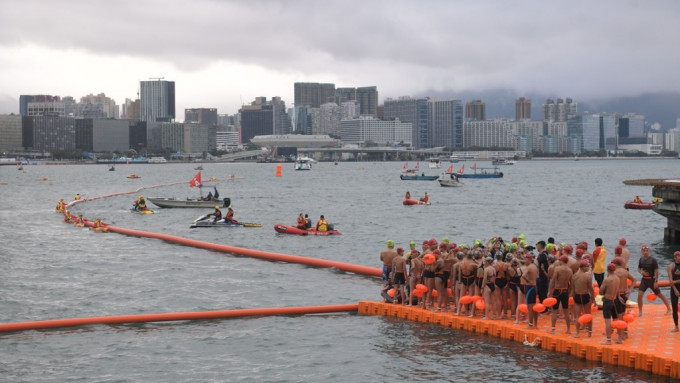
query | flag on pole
[460, 171]
[196, 181]
[450, 169]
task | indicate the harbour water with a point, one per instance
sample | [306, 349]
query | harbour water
[53, 270]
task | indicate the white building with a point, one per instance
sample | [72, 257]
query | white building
[363, 129]
[488, 134]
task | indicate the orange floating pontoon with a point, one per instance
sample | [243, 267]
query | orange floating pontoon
[650, 346]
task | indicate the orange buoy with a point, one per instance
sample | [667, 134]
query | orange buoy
[549, 302]
[619, 324]
[594, 307]
[585, 318]
[421, 287]
[538, 307]
[465, 299]
[480, 304]
[390, 293]
[628, 317]
[278, 170]
[418, 293]
[651, 297]
[523, 308]
[435, 293]
[571, 301]
[449, 292]
[428, 259]
[475, 298]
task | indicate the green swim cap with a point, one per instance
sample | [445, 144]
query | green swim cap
[550, 247]
[523, 243]
[563, 244]
[446, 240]
[521, 236]
[412, 244]
[462, 246]
[390, 243]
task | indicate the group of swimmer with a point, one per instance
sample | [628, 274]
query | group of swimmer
[305, 223]
[516, 280]
[78, 221]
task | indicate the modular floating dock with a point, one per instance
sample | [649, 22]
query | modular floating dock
[650, 345]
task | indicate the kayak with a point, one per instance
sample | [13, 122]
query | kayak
[286, 229]
[638, 205]
[409, 202]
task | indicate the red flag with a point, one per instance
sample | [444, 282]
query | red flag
[417, 165]
[450, 169]
[460, 171]
[474, 166]
[406, 165]
[196, 181]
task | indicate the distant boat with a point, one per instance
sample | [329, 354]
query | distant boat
[449, 180]
[417, 177]
[502, 161]
[199, 167]
[133, 176]
[112, 168]
[303, 163]
[434, 163]
[480, 172]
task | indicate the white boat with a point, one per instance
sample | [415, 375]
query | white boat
[434, 163]
[449, 180]
[502, 161]
[303, 163]
[189, 202]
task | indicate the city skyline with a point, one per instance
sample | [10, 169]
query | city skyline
[225, 54]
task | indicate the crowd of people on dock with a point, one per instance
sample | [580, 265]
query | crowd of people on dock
[511, 279]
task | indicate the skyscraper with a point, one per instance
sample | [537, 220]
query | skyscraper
[413, 110]
[157, 100]
[313, 94]
[522, 109]
[475, 110]
[368, 100]
[445, 123]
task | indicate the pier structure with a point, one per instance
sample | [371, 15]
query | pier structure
[668, 191]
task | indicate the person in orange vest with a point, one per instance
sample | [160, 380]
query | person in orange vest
[408, 195]
[637, 199]
[426, 198]
[230, 215]
[301, 222]
[60, 206]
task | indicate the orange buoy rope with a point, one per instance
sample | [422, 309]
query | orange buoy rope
[166, 317]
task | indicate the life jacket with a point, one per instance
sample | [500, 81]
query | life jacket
[322, 225]
[230, 214]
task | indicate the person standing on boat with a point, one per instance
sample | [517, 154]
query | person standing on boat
[301, 222]
[322, 225]
[230, 215]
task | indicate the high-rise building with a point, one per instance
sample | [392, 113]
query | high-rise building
[495, 134]
[475, 110]
[445, 123]
[587, 129]
[25, 99]
[345, 94]
[264, 117]
[560, 110]
[368, 100]
[200, 116]
[366, 128]
[157, 100]
[413, 111]
[106, 106]
[313, 94]
[522, 109]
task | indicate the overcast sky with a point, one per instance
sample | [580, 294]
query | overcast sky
[222, 53]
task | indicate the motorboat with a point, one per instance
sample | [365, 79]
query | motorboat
[502, 161]
[303, 163]
[412, 176]
[189, 202]
[434, 163]
[449, 180]
[222, 223]
[480, 172]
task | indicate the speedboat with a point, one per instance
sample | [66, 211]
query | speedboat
[434, 163]
[638, 205]
[222, 223]
[143, 211]
[189, 202]
[502, 161]
[411, 176]
[449, 180]
[303, 163]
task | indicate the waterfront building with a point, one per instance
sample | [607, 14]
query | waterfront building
[110, 135]
[495, 133]
[413, 111]
[368, 100]
[157, 100]
[10, 133]
[369, 129]
[49, 133]
[587, 127]
[475, 110]
[97, 106]
[445, 123]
